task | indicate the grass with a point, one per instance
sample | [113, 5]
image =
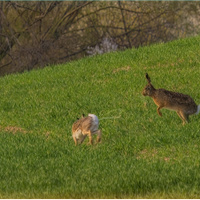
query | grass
[141, 155]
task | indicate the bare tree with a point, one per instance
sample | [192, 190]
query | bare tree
[35, 34]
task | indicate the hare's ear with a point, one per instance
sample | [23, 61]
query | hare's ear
[148, 78]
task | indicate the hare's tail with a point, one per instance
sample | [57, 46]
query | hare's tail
[198, 110]
[95, 118]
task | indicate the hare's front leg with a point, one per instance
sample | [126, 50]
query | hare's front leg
[185, 117]
[75, 140]
[158, 110]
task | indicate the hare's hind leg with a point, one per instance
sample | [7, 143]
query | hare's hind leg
[90, 137]
[89, 133]
[178, 113]
[83, 138]
[184, 116]
[98, 132]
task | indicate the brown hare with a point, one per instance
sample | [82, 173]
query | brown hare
[86, 126]
[183, 104]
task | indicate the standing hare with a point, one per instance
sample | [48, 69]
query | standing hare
[183, 104]
[86, 126]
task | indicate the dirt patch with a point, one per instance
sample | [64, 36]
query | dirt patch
[144, 154]
[154, 154]
[14, 129]
[127, 68]
[165, 65]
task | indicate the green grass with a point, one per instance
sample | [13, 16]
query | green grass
[141, 154]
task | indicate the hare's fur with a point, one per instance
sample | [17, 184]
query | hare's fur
[183, 104]
[86, 126]
[198, 110]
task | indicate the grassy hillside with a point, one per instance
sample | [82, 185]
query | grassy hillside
[141, 154]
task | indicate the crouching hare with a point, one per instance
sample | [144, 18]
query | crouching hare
[86, 126]
[183, 104]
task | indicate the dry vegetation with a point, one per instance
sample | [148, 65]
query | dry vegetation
[35, 34]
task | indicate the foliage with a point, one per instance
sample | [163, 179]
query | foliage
[36, 34]
[141, 155]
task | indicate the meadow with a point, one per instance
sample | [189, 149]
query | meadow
[142, 155]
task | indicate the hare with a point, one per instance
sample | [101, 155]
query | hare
[86, 126]
[183, 104]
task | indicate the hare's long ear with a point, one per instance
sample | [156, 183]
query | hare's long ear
[148, 78]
